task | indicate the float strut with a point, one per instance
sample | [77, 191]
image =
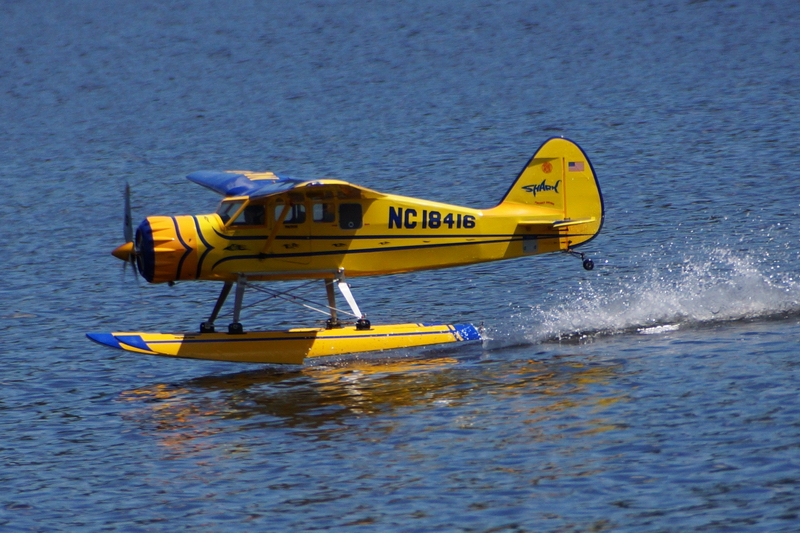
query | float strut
[235, 328]
[333, 321]
[208, 326]
[341, 282]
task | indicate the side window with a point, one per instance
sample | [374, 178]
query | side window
[296, 215]
[350, 216]
[323, 212]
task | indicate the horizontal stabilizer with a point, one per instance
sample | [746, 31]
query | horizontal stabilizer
[565, 223]
[557, 223]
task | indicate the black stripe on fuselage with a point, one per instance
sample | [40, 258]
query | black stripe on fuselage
[365, 237]
[381, 249]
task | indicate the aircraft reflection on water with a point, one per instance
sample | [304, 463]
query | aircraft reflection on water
[307, 401]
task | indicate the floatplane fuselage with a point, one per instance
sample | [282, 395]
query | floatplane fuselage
[273, 228]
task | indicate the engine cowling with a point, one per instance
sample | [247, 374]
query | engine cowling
[166, 249]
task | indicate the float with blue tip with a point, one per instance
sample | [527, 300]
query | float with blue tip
[269, 228]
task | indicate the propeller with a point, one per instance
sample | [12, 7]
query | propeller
[128, 218]
[127, 252]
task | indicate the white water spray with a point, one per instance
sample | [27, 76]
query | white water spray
[721, 287]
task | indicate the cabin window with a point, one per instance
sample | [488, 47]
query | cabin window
[323, 212]
[296, 215]
[350, 216]
[253, 215]
[227, 209]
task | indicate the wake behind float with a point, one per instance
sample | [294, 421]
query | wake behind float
[273, 228]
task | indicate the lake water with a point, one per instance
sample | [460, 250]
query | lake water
[658, 392]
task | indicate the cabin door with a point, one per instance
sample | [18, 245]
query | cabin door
[292, 242]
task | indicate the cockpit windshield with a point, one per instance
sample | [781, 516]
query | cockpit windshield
[227, 209]
[252, 215]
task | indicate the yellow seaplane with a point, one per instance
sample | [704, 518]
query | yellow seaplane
[270, 228]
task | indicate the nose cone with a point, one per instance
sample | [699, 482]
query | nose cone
[124, 252]
[167, 249]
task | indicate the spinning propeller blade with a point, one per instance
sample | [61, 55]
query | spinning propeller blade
[128, 220]
[128, 252]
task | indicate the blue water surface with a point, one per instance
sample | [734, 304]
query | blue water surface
[658, 392]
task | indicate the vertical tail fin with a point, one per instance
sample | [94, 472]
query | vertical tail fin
[559, 184]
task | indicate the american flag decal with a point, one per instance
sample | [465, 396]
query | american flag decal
[575, 166]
